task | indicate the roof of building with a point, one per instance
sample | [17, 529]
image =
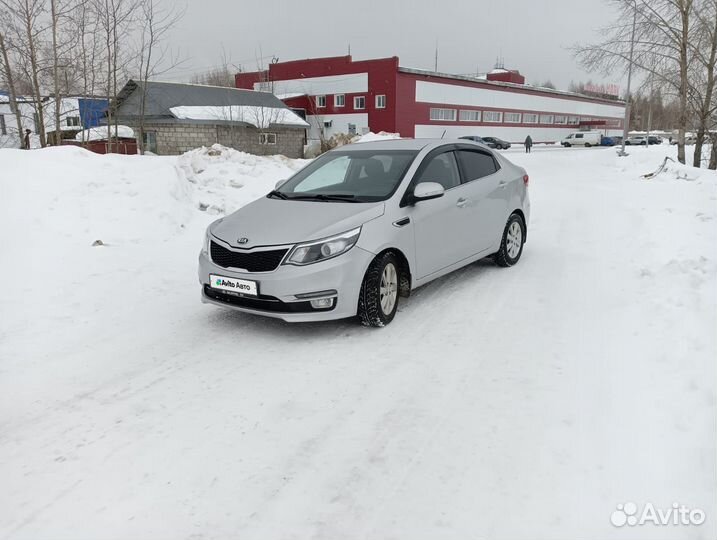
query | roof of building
[190, 102]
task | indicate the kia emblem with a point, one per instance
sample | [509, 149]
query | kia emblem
[243, 240]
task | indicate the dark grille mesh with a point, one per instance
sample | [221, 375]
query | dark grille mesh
[255, 261]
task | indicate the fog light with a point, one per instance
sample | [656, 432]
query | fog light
[322, 303]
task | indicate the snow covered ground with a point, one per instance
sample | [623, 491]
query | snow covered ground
[512, 404]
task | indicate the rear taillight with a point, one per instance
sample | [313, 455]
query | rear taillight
[526, 179]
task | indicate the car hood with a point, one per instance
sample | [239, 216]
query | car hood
[267, 222]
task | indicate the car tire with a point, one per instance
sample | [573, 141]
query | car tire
[587, 145]
[378, 297]
[511, 245]
[627, 143]
[566, 145]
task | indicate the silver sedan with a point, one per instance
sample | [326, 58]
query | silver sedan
[363, 225]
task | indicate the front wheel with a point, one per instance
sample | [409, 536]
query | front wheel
[378, 298]
[511, 246]
[587, 145]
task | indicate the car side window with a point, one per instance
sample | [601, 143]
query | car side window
[476, 164]
[441, 169]
[579, 136]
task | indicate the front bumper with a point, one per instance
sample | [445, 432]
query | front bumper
[282, 292]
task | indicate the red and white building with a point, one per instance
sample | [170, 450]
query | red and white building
[339, 95]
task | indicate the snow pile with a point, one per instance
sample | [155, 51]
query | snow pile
[371, 136]
[99, 133]
[224, 179]
[130, 410]
[259, 117]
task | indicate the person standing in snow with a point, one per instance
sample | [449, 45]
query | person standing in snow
[528, 144]
[26, 140]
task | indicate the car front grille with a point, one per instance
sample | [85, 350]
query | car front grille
[251, 261]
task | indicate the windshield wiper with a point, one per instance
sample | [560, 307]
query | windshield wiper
[347, 197]
[277, 194]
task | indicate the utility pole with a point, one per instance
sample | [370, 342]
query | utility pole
[626, 121]
[435, 66]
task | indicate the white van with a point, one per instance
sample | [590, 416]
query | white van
[582, 138]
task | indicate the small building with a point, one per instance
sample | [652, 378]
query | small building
[179, 117]
[76, 113]
[340, 95]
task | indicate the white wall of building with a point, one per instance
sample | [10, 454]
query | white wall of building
[316, 86]
[430, 92]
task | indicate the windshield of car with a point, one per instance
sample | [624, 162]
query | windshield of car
[349, 176]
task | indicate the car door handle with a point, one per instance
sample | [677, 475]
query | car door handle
[461, 203]
[502, 184]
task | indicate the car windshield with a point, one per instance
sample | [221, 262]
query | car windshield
[350, 176]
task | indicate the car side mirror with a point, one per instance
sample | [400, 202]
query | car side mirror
[280, 183]
[426, 191]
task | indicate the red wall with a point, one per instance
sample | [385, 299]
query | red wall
[410, 112]
[381, 80]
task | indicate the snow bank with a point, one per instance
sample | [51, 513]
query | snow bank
[99, 133]
[371, 136]
[130, 410]
[224, 179]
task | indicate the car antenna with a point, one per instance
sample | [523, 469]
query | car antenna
[444, 134]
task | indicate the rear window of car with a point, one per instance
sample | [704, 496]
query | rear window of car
[476, 164]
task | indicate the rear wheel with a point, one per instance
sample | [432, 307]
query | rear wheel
[587, 145]
[378, 298]
[511, 246]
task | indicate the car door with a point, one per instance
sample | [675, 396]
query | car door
[579, 139]
[437, 222]
[485, 187]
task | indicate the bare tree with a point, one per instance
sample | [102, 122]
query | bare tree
[702, 73]
[28, 24]
[158, 21]
[7, 71]
[661, 48]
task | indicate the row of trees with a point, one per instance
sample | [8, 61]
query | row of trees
[80, 47]
[672, 44]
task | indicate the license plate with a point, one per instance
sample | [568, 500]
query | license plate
[242, 286]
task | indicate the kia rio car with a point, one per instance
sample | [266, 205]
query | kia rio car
[363, 225]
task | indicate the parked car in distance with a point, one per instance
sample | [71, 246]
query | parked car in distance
[582, 138]
[474, 138]
[636, 140]
[607, 141]
[654, 139]
[495, 142]
[363, 225]
[689, 139]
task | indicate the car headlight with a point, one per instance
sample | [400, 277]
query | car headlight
[321, 250]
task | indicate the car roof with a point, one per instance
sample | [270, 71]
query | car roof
[403, 144]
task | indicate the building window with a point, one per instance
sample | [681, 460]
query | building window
[561, 119]
[492, 116]
[3, 127]
[469, 116]
[339, 100]
[72, 121]
[546, 118]
[443, 114]
[530, 118]
[573, 120]
[352, 129]
[149, 141]
[512, 118]
[267, 138]
[381, 101]
[359, 102]
[321, 101]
